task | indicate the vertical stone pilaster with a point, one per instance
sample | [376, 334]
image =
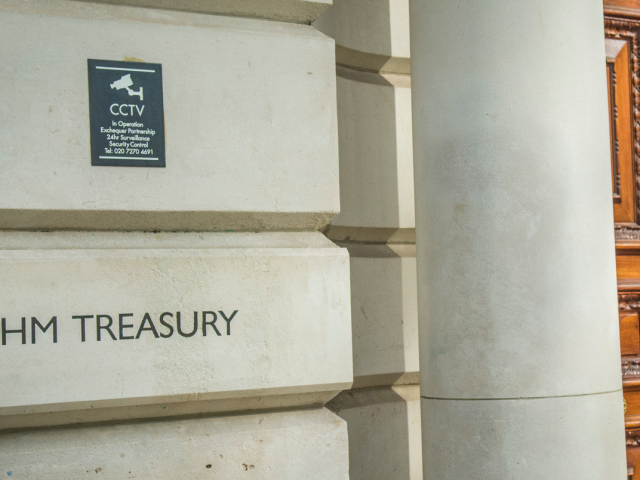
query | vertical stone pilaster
[376, 224]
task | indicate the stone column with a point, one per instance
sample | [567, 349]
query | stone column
[520, 360]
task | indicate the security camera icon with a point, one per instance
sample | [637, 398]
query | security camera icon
[126, 82]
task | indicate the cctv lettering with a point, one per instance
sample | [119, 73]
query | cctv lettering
[126, 109]
[121, 109]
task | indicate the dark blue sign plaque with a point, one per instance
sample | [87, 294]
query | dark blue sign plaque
[126, 114]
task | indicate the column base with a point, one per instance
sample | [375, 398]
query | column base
[547, 438]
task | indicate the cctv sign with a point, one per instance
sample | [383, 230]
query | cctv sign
[126, 114]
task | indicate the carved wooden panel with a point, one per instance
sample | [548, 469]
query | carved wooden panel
[613, 124]
[629, 309]
[623, 68]
[632, 427]
[629, 306]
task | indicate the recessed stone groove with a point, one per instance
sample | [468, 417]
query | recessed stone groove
[520, 398]
[379, 251]
[385, 380]
[370, 235]
[372, 62]
[398, 80]
[160, 419]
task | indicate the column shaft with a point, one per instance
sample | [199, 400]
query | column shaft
[516, 274]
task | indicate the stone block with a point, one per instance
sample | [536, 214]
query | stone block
[120, 322]
[309, 444]
[376, 159]
[250, 120]
[369, 34]
[384, 432]
[384, 315]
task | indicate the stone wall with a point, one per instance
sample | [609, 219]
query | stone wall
[179, 322]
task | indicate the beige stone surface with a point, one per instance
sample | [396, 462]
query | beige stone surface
[522, 439]
[376, 158]
[384, 432]
[290, 336]
[384, 315]
[250, 117]
[298, 11]
[516, 261]
[309, 444]
[377, 226]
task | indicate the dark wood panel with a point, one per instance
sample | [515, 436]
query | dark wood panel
[624, 108]
[629, 334]
[632, 398]
[622, 3]
[628, 266]
[629, 308]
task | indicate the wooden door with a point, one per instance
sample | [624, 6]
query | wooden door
[622, 37]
